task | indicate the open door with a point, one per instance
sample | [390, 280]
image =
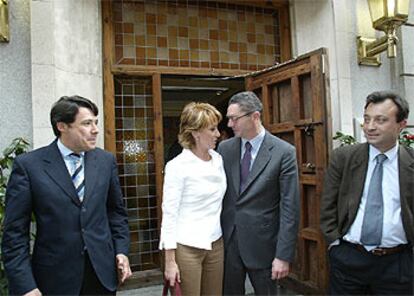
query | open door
[296, 108]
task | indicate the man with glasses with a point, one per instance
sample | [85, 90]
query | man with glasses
[260, 214]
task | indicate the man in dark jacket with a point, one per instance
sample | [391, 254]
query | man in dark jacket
[368, 204]
[73, 190]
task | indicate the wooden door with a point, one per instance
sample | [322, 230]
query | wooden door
[296, 108]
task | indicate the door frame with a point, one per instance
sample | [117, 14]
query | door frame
[110, 70]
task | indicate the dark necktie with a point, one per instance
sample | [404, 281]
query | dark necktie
[78, 178]
[245, 165]
[371, 233]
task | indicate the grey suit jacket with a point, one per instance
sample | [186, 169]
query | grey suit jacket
[266, 213]
[344, 183]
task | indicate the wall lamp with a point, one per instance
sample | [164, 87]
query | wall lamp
[4, 21]
[386, 16]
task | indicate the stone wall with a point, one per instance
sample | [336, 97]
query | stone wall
[66, 59]
[15, 77]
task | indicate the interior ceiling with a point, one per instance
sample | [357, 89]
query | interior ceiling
[177, 91]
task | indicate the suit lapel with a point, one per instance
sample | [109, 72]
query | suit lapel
[406, 172]
[91, 173]
[55, 167]
[262, 158]
[357, 174]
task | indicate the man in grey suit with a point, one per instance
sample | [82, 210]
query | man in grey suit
[368, 204]
[260, 214]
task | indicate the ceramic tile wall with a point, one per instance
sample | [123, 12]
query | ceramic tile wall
[200, 34]
[134, 134]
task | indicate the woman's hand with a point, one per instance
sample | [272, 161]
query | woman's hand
[171, 273]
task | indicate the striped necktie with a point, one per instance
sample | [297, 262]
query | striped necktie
[78, 177]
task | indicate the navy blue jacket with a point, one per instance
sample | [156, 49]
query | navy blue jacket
[40, 183]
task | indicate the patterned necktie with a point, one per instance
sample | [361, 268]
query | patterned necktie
[78, 177]
[371, 232]
[245, 165]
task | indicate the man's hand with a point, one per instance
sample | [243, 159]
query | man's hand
[123, 268]
[280, 269]
[34, 292]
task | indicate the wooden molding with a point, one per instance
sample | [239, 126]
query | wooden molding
[149, 70]
[108, 79]
[158, 140]
[271, 4]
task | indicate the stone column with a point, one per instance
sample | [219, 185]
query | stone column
[66, 59]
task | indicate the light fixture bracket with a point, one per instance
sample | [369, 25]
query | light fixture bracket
[387, 16]
[4, 21]
[363, 59]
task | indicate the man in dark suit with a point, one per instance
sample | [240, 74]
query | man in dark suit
[260, 214]
[368, 204]
[72, 189]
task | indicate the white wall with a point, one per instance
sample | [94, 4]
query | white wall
[336, 24]
[15, 77]
[407, 66]
[66, 58]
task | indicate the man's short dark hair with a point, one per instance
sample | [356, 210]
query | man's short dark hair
[381, 96]
[66, 108]
[248, 101]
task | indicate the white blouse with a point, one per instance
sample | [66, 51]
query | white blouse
[192, 200]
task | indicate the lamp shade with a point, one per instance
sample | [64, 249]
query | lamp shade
[385, 12]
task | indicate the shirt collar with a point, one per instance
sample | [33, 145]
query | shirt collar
[256, 141]
[65, 151]
[391, 153]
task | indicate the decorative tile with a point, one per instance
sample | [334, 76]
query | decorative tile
[151, 40]
[140, 40]
[195, 34]
[162, 42]
[162, 30]
[136, 169]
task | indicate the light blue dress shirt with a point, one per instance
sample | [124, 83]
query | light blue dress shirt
[256, 142]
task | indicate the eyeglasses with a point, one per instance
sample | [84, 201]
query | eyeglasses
[236, 118]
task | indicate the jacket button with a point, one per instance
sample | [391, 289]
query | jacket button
[83, 209]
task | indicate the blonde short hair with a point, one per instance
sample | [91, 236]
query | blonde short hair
[195, 117]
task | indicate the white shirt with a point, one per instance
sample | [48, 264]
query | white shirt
[66, 152]
[192, 200]
[393, 233]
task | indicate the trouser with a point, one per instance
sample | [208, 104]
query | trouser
[91, 285]
[201, 271]
[235, 273]
[357, 272]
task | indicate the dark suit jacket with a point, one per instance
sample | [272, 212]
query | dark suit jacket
[266, 213]
[344, 184]
[40, 183]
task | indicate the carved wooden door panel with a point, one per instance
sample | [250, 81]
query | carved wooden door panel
[296, 108]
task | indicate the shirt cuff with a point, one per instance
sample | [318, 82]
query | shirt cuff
[334, 243]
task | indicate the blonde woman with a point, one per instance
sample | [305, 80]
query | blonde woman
[194, 186]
